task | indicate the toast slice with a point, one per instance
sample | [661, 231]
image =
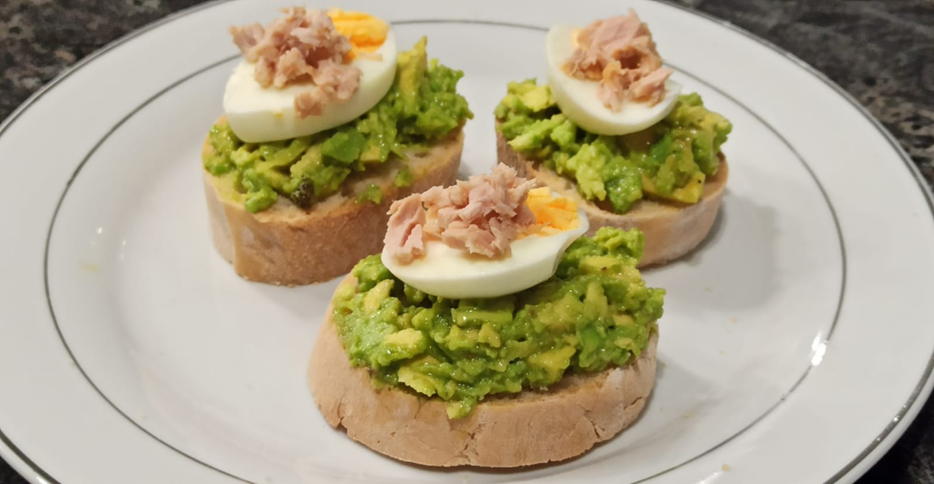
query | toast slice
[671, 229]
[287, 245]
[531, 427]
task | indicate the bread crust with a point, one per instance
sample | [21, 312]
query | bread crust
[532, 427]
[671, 230]
[286, 245]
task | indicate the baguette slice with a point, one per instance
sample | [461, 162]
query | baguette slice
[286, 245]
[671, 229]
[532, 427]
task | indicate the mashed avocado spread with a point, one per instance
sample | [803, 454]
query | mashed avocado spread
[669, 161]
[421, 106]
[596, 311]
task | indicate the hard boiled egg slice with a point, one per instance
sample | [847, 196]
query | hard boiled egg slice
[452, 273]
[258, 113]
[578, 98]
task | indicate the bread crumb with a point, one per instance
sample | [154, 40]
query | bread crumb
[732, 320]
[707, 288]
[726, 468]
[722, 352]
[687, 415]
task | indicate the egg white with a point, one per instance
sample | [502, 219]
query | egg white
[257, 113]
[578, 98]
[452, 273]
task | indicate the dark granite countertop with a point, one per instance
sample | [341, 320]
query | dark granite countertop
[881, 51]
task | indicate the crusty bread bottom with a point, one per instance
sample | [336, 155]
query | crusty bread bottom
[287, 245]
[671, 230]
[532, 427]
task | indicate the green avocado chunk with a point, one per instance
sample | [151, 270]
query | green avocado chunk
[594, 312]
[421, 107]
[669, 160]
[372, 193]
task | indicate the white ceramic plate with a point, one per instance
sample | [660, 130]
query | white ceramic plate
[795, 345]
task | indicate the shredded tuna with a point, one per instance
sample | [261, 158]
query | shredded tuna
[482, 215]
[651, 88]
[620, 53]
[404, 235]
[247, 36]
[301, 47]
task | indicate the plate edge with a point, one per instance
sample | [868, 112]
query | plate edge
[883, 441]
[922, 391]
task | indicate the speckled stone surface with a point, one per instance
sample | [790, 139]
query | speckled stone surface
[881, 51]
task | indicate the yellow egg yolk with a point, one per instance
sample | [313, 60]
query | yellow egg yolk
[365, 32]
[552, 214]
